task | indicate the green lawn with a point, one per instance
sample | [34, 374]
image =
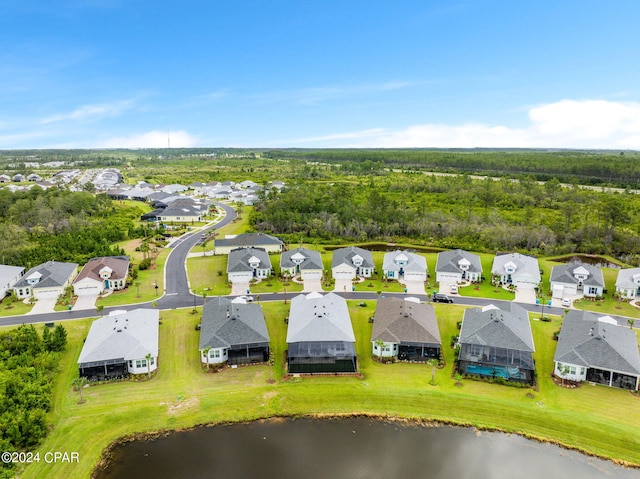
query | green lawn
[595, 419]
[10, 306]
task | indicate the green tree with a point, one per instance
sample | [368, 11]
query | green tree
[433, 363]
[79, 383]
[58, 339]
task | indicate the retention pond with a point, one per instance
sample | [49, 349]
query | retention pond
[349, 448]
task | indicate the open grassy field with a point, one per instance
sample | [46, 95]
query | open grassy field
[595, 419]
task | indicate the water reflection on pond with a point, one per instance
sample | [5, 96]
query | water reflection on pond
[349, 448]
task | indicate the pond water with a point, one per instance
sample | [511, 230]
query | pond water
[387, 247]
[349, 448]
[593, 260]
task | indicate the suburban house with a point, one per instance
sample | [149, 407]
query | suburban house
[320, 336]
[404, 265]
[352, 262]
[303, 262]
[405, 329]
[5, 178]
[269, 243]
[497, 342]
[595, 348]
[9, 275]
[183, 211]
[245, 264]
[628, 282]
[516, 269]
[234, 333]
[124, 342]
[108, 273]
[457, 266]
[47, 280]
[575, 279]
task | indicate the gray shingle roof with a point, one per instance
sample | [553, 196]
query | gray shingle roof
[584, 340]
[625, 278]
[415, 263]
[239, 259]
[122, 335]
[345, 255]
[448, 261]
[505, 327]
[226, 324]
[312, 260]
[319, 318]
[249, 239]
[399, 321]
[565, 274]
[527, 268]
[53, 273]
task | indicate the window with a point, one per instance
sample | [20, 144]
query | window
[214, 353]
[141, 363]
[581, 371]
[572, 370]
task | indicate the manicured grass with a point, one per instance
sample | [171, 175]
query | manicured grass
[13, 307]
[596, 419]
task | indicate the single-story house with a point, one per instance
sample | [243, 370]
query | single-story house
[352, 262]
[269, 243]
[245, 264]
[235, 333]
[305, 262]
[497, 342]
[575, 278]
[107, 273]
[517, 269]
[457, 265]
[183, 212]
[628, 282]
[5, 178]
[34, 177]
[408, 330]
[320, 336]
[595, 348]
[47, 280]
[124, 342]
[9, 275]
[404, 265]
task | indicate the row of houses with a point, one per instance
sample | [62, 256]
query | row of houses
[50, 279]
[494, 341]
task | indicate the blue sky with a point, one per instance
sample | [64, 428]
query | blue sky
[349, 73]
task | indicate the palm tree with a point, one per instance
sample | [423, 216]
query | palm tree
[79, 383]
[99, 308]
[433, 363]
[206, 354]
[148, 358]
[380, 345]
[631, 322]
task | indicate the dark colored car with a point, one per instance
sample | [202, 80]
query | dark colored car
[441, 298]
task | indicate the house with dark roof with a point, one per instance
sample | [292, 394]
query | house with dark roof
[404, 265]
[405, 329]
[516, 269]
[269, 243]
[302, 261]
[496, 342]
[235, 333]
[352, 262]
[47, 280]
[574, 279]
[595, 348]
[628, 282]
[457, 266]
[107, 273]
[246, 264]
[183, 211]
[320, 336]
[124, 342]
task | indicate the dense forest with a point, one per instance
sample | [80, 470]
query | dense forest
[456, 212]
[28, 362]
[38, 226]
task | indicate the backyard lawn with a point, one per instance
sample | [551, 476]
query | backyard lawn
[596, 419]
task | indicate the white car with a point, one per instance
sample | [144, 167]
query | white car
[453, 289]
[242, 299]
[566, 303]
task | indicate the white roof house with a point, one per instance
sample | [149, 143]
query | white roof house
[9, 275]
[628, 282]
[517, 269]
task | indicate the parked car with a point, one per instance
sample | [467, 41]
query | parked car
[453, 289]
[566, 303]
[243, 299]
[441, 298]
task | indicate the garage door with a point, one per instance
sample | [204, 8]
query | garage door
[87, 290]
[343, 274]
[415, 277]
[310, 275]
[447, 278]
[240, 277]
[47, 293]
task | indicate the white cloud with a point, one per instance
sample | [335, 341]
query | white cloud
[88, 112]
[588, 124]
[151, 139]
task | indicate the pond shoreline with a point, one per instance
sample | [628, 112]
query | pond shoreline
[105, 458]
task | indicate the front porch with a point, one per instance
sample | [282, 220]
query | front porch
[612, 379]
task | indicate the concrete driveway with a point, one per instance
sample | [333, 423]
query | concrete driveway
[414, 287]
[239, 288]
[312, 286]
[525, 293]
[86, 302]
[342, 285]
[44, 305]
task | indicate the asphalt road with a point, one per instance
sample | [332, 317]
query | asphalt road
[178, 295]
